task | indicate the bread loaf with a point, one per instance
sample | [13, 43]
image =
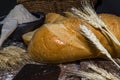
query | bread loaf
[53, 17]
[28, 36]
[62, 41]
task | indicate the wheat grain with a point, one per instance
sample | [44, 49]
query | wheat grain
[103, 72]
[86, 32]
[87, 13]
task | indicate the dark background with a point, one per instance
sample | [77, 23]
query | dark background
[6, 6]
[109, 6]
[103, 6]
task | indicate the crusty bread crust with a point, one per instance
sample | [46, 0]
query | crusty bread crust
[62, 41]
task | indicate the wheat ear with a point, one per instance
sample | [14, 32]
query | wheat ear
[87, 75]
[87, 13]
[117, 60]
[12, 57]
[103, 72]
[86, 32]
[83, 74]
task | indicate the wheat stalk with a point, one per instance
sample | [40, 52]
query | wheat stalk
[87, 75]
[86, 32]
[13, 57]
[87, 13]
[97, 74]
[103, 72]
[118, 60]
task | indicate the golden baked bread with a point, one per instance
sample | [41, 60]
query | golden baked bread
[53, 17]
[62, 41]
[69, 14]
[28, 36]
[50, 18]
